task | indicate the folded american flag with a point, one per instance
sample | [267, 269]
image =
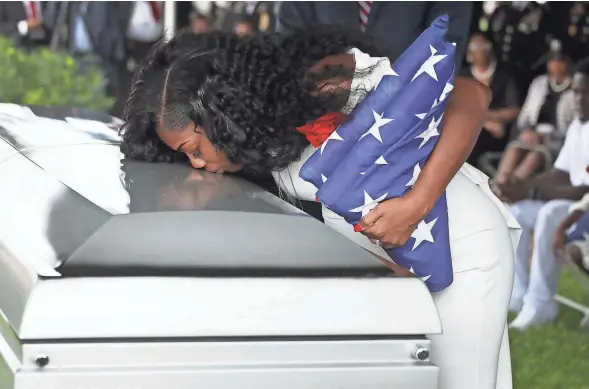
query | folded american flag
[378, 153]
[579, 230]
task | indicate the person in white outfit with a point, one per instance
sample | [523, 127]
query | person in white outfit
[540, 205]
[576, 251]
[226, 104]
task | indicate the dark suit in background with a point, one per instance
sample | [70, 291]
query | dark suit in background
[94, 33]
[14, 12]
[395, 24]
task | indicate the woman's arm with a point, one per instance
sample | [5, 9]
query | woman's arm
[463, 120]
[511, 103]
[503, 115]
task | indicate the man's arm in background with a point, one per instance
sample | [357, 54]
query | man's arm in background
[460, 14]
[295, 14]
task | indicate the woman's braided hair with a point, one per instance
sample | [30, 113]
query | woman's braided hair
[248, 93]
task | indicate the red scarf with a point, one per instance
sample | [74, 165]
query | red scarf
[319, 130]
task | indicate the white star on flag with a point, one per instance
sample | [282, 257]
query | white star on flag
[423, 232]
[388, 71]
[334, 136]
[428, 65]
[422, 278]
[447, 89]
[430, 132]
[323, 178]
[381, 161]
[369, 204]
[374, 130]
[416, 172]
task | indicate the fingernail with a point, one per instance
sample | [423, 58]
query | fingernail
[358, 228]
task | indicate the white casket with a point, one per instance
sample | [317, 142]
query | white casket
[159, 276]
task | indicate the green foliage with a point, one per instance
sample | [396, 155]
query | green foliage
[43, 77]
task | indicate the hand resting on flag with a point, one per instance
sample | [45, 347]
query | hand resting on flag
[393, 221]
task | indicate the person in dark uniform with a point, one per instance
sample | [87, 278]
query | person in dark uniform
[23, 22]
[518, 31]
[394, 24]
[577, 30]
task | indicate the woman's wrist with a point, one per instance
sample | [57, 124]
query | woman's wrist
[422, 201]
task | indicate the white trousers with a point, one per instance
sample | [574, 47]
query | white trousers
[473, 351]
[537, 287]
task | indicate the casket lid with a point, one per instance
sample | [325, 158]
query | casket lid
[71, 206]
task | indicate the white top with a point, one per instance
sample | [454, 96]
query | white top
[574, 155]
[142, 26]
[581, 205]
[472, 206]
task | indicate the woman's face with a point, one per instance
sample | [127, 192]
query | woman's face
[202, 154]
[557, 68]
[479, 50]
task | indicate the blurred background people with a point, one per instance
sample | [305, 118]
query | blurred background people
[200, 23]
[244, 26]
[540, 205]
[23, 21]
[542, 123]
[144, 27]
[395, 24]
[505, 104]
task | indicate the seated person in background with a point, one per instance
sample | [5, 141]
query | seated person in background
[575, 229]
[543, 121]
[540, 205]
[505, 103]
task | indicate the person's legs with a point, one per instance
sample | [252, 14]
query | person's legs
[532, 163]
[473, 311]
[525, 212]
[539, 305]
[509, 162]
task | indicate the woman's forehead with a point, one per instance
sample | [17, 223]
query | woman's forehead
[174, 137]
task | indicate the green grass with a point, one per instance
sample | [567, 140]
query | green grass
[554, 356]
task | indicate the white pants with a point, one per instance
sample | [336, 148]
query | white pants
[537, 287]
[473, 351]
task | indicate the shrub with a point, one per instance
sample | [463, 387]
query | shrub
[43, 77]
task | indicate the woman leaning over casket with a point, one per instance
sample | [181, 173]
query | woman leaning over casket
[226, 103]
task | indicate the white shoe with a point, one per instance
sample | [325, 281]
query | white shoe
[530, 317]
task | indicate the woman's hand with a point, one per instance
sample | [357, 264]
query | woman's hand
[513, 191]
[393, 221]
[495, 128]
